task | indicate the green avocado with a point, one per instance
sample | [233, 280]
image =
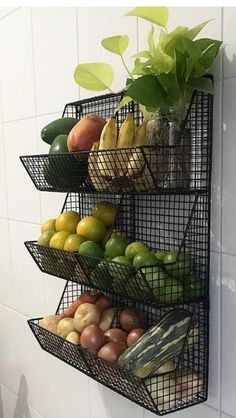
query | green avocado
[60, 126]
[59, 145]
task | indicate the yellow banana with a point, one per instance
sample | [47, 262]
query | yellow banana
[125, 140]
[106, 161]
[99, 183]
[137, 162]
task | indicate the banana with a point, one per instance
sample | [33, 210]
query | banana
[125, 140]
[106, 161]
[137, 162]
[99, 183]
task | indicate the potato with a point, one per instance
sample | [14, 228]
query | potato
[107, 318]
[85, 133]
[50, 323]
[85, 315]
[73, 337]
[65, 326]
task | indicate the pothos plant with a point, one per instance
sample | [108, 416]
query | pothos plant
[166, 73]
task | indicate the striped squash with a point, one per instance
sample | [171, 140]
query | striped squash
[158, 345]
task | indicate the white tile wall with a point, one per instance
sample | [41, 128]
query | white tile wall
[38, 53]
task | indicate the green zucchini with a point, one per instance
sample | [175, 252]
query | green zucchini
[158, 345]
[57, 127]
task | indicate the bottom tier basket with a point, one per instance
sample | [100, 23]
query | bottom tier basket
[161, 394]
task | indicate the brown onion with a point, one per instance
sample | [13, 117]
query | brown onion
[112, 351]
[103, 303]
[116, 335]
[92, 338]
[88, 297]
[134, 335]
[130, 319]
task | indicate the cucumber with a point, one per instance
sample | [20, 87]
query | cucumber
[158, 345]
[57, 127]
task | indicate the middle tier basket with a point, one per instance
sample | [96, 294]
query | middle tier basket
[165, 223]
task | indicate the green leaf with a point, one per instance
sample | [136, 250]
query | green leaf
[192, 33]
[116, 44]
[209, 55]
[151, 42]
[148, 91]
[170, 85]
[161, 63]
[202, 84]
[157, 15]
[167, 41]
[194, 53]
[142, 54]
[123, 102]
[95, 76]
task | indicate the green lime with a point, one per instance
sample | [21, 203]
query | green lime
[122, 259]
[144, 259]
[45, 237]
[91, 249]
[134, 248]
[100, 277]
[160, 255]
[170, 290]
[116, 246]
[193, 287]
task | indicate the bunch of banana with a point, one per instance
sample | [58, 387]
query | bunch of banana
[94, 172]
[125, 140]
[136, 161]
[106, 161]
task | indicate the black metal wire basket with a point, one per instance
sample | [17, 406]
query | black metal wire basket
[164, 223]
[161, 393]
[183, 167]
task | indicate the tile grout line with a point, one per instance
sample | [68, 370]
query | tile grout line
[9, 13]
[16, 396]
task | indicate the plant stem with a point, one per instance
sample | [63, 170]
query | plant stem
[123, 61]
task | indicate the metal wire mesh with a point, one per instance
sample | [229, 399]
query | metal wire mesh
[160, 393]
[130, 170]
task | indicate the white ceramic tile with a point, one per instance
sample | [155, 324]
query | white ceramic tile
[28, 281]
[228, 334]
[3, 189]
[17, 406]
[197, 411]
[51, 205]
[6, 296]
[105, 22]
[229, 167]
[190, 17]
[216, 170]
[229, 16]
[17, 77]
[4, 11]
[7, 341]
[55, 56]
[23, 198]
[105, 403]
[214, 365]
[227, 416]
[53, 290]
[8, 403]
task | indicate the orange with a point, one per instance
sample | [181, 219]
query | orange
[45, 237]
[58, 240]
[67, 221]
[48, 225]
[73, 242]
[91, 228]
[106, 212]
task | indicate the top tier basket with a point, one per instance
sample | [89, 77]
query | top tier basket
[78, 171]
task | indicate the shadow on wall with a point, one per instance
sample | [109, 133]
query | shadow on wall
[110, 402]
[1, 405]
[22, 408]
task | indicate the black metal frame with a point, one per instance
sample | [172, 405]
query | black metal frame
[164, 217]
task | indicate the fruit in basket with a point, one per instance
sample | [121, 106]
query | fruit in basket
[130, 319]
[134, 335]
[136, 162]
[159, 344]
[85, 132]
[177, 264]
[103, 303]
[155, 278]
[193, 287]
[134, 248]
[112, 351]
[71, 309]
[58, 240]
[65, 326]
[73, 337]
[125, 140]
[90, 296]
[48, 225]
[85, 315]
[170, 290]
[91, 228]
[50, 323]
[107, 318]
[57, 127]
[145, 259]
[99, 182]
[73, 242]
[92, 338]
[137, 288]
[116, 246]
[100, 276]
[106, 212]
[59, 145]
[122, 259]
[68, 221]
[106, 162]
[116, 335]
[91, 249]
[160, 256]
[45, 237]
